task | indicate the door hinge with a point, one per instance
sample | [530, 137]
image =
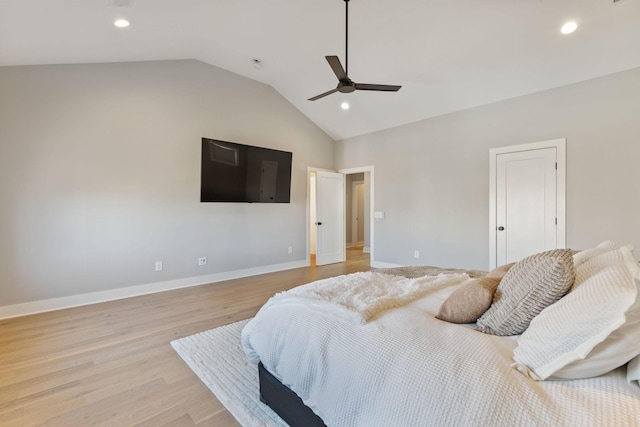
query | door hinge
[556, 165]
[556, 221]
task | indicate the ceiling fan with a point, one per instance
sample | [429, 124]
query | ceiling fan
[345, 84]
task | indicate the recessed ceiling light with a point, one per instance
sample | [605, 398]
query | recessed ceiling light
[569, 27]
[345, 105]
[121, 23]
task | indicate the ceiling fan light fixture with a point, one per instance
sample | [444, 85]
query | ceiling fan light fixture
[121, 23]
[569, 27]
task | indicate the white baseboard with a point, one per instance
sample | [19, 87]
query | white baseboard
[366, 249]
[52, 304]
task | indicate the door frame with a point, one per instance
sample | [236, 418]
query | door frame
[348, 171]
[561, 182]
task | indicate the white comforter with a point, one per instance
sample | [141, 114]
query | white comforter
[406, 368]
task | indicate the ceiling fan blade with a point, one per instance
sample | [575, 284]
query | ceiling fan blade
[336, 66]
[322, 95]
[385, 88]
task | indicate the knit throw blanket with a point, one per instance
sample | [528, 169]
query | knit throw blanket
[360, 297]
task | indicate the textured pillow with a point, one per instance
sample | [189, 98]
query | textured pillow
[633, 371]
[569, 330]
[618, 348]
[606, 246]
[530, 286]
[469, 301]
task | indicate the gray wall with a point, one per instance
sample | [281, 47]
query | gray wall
[100, 170]
[432, 177]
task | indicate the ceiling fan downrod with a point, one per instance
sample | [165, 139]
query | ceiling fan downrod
[346, 37]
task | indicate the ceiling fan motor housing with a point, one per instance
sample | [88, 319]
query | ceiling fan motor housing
[346, 86]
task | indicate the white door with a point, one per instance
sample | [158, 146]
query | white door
[526, 202]
[528, 192]
[330, 221]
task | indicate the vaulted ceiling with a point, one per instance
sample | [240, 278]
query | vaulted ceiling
[447, 55]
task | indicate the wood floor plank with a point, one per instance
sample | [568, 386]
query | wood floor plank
[111, 364]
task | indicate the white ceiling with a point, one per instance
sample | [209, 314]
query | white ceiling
[448, 55]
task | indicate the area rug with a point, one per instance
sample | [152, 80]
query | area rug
[217, 358]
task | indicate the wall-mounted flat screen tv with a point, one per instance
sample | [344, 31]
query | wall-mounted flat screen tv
[232, 172]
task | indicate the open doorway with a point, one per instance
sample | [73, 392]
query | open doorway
[357, 206]
[356, 232]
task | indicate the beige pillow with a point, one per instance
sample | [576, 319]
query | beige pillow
[530, 286]
[499, 272]
[469, 301]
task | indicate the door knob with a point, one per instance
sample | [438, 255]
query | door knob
[318, 223]
[501, 228]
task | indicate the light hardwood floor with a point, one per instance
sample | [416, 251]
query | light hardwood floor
[111, 364]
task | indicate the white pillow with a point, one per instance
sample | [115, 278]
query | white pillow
[633, 371]
[581, 257]
[569, 329]
[618, 348]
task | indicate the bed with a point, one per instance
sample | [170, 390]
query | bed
[379, 349]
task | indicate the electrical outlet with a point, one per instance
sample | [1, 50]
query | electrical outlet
[416, 254]
[202, 261]
[290, 250]
[158, 265]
